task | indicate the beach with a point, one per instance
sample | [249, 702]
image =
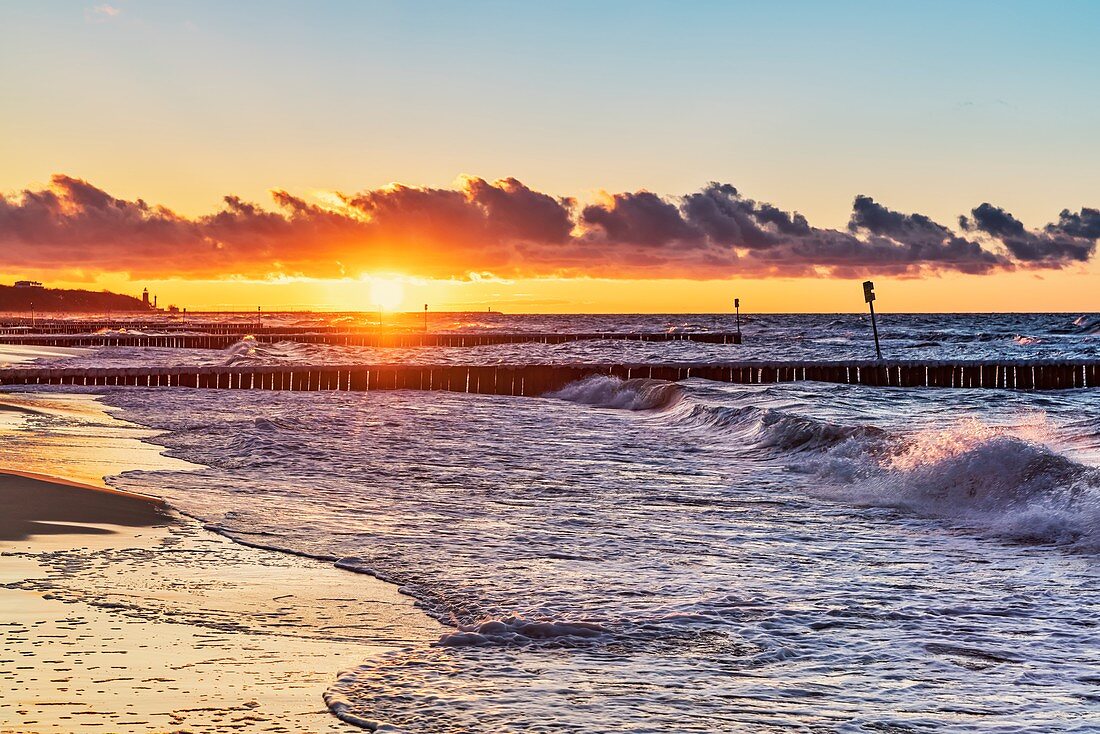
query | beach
[120, 615]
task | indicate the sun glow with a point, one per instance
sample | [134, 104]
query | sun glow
[387, 294]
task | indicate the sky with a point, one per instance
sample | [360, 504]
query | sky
[563, 157]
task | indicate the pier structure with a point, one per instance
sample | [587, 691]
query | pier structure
[539, 379]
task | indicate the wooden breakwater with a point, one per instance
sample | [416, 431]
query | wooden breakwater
[25, 326]
[538, 379]
[351, 339]
[90, 327]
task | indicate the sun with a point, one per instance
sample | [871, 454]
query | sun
[387, 293]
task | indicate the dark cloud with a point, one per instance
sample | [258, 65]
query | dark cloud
[1084, 224]
[994, 221]
[506, 228]
[516, 211]
[919, 239]
[1071, 239]
[730, 220]
[641, 218]
[871, 216]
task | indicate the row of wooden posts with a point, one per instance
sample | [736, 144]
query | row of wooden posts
[352, 339]
[538, 379]
[25, 326]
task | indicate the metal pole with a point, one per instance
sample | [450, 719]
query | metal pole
[425, 318]
[874, 328]
[869, 296]
[737, 308]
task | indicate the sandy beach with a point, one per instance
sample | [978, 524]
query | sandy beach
[119, 615]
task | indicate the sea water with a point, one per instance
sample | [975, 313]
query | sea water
[641, 556]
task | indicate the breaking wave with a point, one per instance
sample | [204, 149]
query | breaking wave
[970, 473]
[988, 478]
[979, 476]
[249, 351]
[769, 428]
[602, 391]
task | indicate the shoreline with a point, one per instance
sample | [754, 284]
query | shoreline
[121, 614]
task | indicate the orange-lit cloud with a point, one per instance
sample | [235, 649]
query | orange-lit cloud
[510, 230]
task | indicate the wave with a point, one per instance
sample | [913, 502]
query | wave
[123, 332]
[1089, 324]
[982, 476]
[248, 351]
[970, 473]
[516, 630]
[769, 428]
[601, 391]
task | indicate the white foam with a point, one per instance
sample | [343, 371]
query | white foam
[517, 630]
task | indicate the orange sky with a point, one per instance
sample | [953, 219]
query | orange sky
[1006, 292]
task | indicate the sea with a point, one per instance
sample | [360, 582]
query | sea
[643, 556]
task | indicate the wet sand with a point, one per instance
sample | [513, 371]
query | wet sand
[118, 615]
[32, 505]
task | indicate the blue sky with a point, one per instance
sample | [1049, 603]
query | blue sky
[931, 107]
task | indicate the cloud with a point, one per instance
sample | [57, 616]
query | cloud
[640, 218]
[509, 230]
[1084, 224]
[918, 239]
[733, 221]
[1071, 239]
[101, 13]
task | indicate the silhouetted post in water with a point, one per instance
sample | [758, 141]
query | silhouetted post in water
[259, 319]
[425, 318]
[869, 296]
[737, 309]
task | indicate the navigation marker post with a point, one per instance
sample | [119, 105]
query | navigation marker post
[737, 310]
[869, 296]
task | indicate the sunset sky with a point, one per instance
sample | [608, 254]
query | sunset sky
[555, 157]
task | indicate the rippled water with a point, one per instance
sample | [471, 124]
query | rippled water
[641, 556]
[767, 337]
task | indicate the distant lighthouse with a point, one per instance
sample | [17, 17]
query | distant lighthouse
[145, 297]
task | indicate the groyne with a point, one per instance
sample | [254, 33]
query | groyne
[207, 340]
[538, 379]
